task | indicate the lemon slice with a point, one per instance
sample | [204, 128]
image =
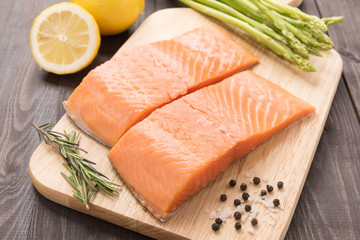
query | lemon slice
[64, 38]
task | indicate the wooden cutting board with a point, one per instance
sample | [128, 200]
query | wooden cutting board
[294, 3]
[287, 156]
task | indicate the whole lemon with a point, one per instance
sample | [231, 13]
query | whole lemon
[113, 16]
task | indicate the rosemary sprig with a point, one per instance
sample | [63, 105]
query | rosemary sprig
[84, 178]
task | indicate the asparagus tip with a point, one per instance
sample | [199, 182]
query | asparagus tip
[332, 20]
[307, 67]
[303, 64]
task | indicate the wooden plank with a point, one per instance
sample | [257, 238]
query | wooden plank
[277, 159]
[53, 221]
[19, 105]
[330, 200]
[346, 37]
[329, 206]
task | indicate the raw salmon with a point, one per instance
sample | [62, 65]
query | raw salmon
[176, 151]
[124, 90]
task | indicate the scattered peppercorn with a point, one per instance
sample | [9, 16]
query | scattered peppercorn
[245, 196]
[269, 188]
[254, 221]
[223, 197]
[237, 215]
[215, 227]
[276, 202]
[243, 186]
[256, 180]
[232, 183]
[237, 225]
[263, 192]
[280, 184]
[247, 208]
[218, 221]
[237, 202]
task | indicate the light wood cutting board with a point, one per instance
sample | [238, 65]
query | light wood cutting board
[287, 156]
[294, 3]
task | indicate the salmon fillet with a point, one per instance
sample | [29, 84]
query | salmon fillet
[124, 90]
[176, 151]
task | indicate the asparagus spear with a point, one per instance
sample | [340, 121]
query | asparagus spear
[297, 14]
[307, 29]
[314, 51]
[300, 26]
[285, 30]
[229, 10]
[290, 14]
[289, 30]
[245, 7]
[262, 38]
[332, 20]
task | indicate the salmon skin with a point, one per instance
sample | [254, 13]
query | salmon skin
[176, 151]
[126, 89]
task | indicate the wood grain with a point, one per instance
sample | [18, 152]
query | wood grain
[346, 40]
[28, 94]
[19, 103]
[330, 199]
[278, 159]
[327, 201]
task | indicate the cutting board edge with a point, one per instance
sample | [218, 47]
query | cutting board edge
[97, 211]
[295, 3]
[338, 77]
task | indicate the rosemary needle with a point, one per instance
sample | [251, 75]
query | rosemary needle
[84, 178]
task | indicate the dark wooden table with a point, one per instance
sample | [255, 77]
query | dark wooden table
[329, 206]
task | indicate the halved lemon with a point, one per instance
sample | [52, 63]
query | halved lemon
[64, 38]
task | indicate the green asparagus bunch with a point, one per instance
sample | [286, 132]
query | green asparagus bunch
[285, 30]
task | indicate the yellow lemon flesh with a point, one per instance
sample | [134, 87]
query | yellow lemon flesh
[64, 38]
[113, 16]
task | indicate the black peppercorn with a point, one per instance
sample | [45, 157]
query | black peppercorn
[245, 196]
[223, 197]
[237, 202]
[247, 208]
[256, 180]
[237, 225]
[243, 186]
[237, 215]
[218, 221]
[263, 192]
[254, 221]
[269, 188]
[215, 227]
[280, 184]
[276, 202]
[232, 183]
